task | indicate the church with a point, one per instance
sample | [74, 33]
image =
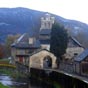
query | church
[26, 44]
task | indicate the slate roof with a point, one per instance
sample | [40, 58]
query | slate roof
[73, 42]
[45, 32]
[45, 41]
[23, 42]
[82, 56]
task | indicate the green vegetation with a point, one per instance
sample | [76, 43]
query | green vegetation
[13, 73]
[59, 40]
[9, 40]
[2, 86]
[7, 71]
[4, 60]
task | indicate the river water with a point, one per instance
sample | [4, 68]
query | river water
[8, 81]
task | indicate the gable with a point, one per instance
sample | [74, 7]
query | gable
[73, 43]
[37, 59]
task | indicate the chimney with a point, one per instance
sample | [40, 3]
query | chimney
[31, 40]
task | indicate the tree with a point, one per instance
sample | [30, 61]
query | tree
[10, 39]
[59, 40]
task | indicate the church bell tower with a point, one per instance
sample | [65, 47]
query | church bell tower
[45, 30]
[46, 22]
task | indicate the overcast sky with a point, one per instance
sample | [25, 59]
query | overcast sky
[70, 9]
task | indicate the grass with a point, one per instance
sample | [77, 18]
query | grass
[2, 86]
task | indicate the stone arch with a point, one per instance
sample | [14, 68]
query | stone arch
[47, 62]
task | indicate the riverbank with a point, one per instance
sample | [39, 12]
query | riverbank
[2, 86]
[15, 75]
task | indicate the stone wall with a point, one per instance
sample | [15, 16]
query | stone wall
[68, 67]
[71, 51]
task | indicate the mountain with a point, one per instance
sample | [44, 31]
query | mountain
[20, 20]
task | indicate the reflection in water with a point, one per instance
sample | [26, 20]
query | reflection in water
[5, 80]
[8, 81]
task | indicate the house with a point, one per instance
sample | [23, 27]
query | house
[81, 63]
[42, 59]
[74, 48]
[27, 44]
[24, 46]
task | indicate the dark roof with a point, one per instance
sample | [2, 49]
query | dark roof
[45, 32]
[74, 43]
[82, 56]
[47, 41]
[23, 42]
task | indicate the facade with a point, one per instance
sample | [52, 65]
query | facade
[74, 48]
[81, 63]
[27, 44]
[42, 59]
[69, 63]
[24, 46]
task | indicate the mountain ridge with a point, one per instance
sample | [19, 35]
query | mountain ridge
[23, 20]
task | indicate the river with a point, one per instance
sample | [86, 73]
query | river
[8, 81]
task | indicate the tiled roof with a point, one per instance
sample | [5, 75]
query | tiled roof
[82, 56]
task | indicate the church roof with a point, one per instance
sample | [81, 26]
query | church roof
[45, 32]
[23, 42]
[47, 41]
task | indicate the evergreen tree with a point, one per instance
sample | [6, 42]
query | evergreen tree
[59, 39]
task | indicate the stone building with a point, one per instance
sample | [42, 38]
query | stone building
[74, 48]
[27, 44]
[42, 59]
[81, 63]
[22, 47]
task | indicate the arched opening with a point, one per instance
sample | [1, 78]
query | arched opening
[47, 62]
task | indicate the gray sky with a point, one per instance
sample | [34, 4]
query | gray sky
[70, 9]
